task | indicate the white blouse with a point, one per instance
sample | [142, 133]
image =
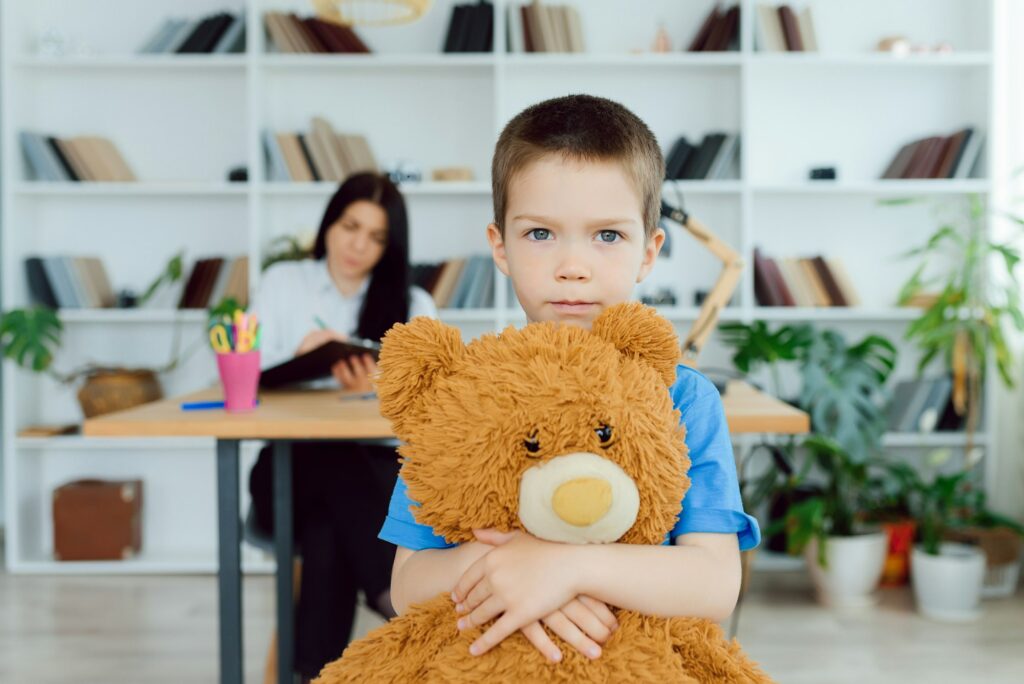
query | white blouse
[293, 294]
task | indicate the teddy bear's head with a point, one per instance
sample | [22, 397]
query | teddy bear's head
[567, 433]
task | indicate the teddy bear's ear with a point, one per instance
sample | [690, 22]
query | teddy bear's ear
[638, 331]
[413, 356]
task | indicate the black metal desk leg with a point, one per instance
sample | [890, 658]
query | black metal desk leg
[283, 553]
[229, 573]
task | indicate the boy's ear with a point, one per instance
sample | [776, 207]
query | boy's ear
[413, 357]
[497, 242]
[640, 332]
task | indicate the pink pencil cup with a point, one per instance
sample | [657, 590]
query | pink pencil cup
[240, 378]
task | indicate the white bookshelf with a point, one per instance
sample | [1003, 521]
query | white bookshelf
[183, 121]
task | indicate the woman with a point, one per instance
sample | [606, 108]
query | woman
[356, 284]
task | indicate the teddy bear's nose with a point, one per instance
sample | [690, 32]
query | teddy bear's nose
[582, 501]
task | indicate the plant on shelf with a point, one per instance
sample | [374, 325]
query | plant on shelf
[288, 248]
[31, 337]
[841, 385]
[976, 300]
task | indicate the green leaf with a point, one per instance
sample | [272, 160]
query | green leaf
[30, 337]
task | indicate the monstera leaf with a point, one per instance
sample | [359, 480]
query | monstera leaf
[30, 336]
[841, 389]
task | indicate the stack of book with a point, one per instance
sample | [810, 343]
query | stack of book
[954, 156]
[924, 405]
[85, 158]
[716, 158]
[805, 282]
[318, 155]
[719, 32]
[62, 282]
[289, 33]
[471, 28]
[215, 279]
[780, 29]
[540, 27]
[458, 283]
[217, 34]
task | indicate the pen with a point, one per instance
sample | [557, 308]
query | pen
[319, 321]
[203, 405]
[364, 395]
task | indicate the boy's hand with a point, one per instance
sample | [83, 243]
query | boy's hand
[524, 580]
[583, 623]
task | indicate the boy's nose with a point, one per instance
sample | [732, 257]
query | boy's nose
[572, 269]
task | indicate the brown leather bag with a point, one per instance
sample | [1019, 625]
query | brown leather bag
[97, 520]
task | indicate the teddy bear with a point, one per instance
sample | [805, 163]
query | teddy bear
[567, 434]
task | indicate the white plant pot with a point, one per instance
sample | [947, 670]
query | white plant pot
[948, 586]
[853, 568]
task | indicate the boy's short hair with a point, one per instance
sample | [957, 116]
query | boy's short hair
[580, 128]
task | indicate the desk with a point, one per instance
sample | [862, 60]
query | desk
[287, 416]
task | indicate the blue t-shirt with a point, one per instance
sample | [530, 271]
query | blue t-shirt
[712, 504]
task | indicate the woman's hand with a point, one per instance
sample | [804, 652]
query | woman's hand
[356, 373]
[315, 338]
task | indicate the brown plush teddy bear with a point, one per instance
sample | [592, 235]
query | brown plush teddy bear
[567, 434]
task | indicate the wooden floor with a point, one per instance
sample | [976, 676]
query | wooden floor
[164, 629]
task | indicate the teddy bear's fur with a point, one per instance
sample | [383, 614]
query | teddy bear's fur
[464, 414]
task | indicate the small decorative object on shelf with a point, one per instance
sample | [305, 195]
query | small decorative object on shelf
[823, 173]
[662, 297]
[404, 171]
[55, 43]
[238, 174]
[901, 46]
[662, 43]
[452, 173]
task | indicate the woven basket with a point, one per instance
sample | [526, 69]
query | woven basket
[116, 389]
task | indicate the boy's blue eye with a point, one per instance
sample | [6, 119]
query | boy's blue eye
[540, 234]
[608, 236]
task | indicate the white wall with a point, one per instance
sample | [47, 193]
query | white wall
[1008, 491]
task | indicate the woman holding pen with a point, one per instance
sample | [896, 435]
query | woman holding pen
[355, 285]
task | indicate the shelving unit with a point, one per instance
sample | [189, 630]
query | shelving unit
[183, 121]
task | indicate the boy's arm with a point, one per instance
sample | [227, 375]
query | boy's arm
[697, 577]
[418, 576]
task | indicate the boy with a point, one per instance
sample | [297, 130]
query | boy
[577, 190]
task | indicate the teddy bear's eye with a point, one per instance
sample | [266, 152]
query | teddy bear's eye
[604, 433]
[532, 444]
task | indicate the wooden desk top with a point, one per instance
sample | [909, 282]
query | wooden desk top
[322, 414]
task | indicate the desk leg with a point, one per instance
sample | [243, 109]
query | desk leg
[229, 573]
[283, 553]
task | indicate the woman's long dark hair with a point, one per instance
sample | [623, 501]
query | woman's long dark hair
[387, 299]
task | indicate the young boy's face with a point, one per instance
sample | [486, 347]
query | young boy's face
[574, 239]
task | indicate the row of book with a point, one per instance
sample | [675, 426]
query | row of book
[215, 279]
[719, 32]
[319, 155]
[470, 28]
[65, 282]
[803, 282]
[937, 156]
[715, 158]
[923, 405]
[220, 33]
[537, 27]
[291, 34]
[84, 158]
[458, 283]
[780, 29]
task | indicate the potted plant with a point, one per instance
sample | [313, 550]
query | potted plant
[1000, 538]
[970, 305]
[845, 552]
[889, 506]
[947, 576]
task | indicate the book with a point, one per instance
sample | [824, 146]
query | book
[965, 139]
[40, 288]
[778, 284]
[159, 37]
[811, 277]
[764, 288]
[280, 39]
[87, 293]
[233, 39]
[323, 137]
[724, 162]
[308, 156]
[514, 26]
[795, 281]
[966, 166]
[770, 37]
[899, 164]
[277, 170]
[447, 280]
[835, 295]
[842, 279]
[700, 39]
[298, 168]
[676, 158]
[185, 29]
[699, 163]
[790, 29]
[805, 25]
[577, 43]
[41, 160]
[528, 31]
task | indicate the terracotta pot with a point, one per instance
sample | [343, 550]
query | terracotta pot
[117, 389]
[896, 571]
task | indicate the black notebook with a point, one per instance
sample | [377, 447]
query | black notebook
[316, 363]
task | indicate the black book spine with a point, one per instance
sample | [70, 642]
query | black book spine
[220, 24]
[196, 37]
[308, 156]
[68, 169]
[38, 284]
[454, 25]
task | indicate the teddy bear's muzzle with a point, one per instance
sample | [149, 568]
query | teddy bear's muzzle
[578, 498]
